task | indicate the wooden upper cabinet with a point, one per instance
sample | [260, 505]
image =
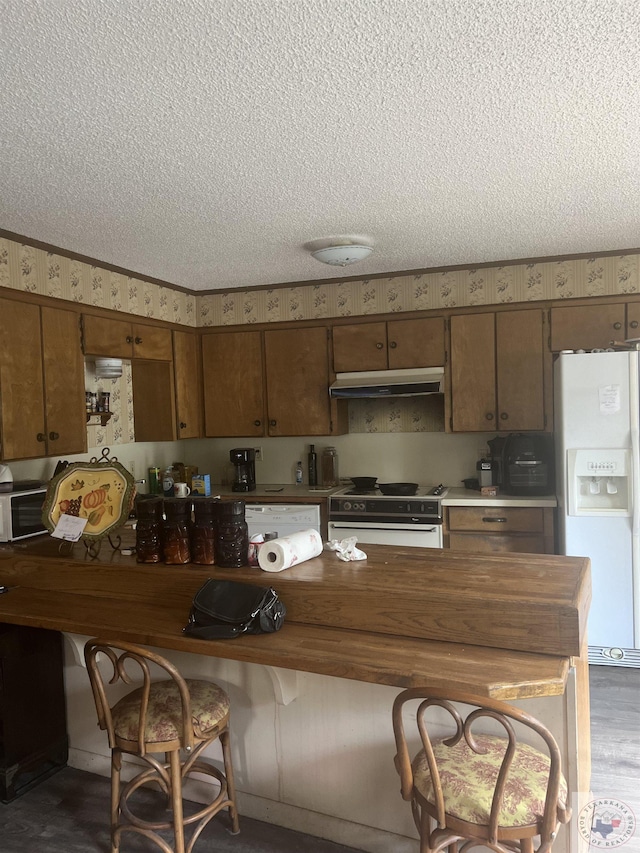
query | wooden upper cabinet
[590, 326]
[473, 373]
[42, 407]
[154, 413]
[233, 384]
[297, 369]
[65, 408]
[103, 336]
[497, 371]
[520, 356]
[187, 366]
[388, 345]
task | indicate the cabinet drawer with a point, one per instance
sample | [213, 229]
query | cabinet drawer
[494, 519]
[498, 543]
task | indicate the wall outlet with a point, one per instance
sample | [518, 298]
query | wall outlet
[258, 452]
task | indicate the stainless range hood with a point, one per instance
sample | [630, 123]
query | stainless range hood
[389, 383]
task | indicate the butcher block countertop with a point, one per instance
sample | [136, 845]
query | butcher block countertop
[504, 626]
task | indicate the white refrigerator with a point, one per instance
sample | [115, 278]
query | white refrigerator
[597, 440]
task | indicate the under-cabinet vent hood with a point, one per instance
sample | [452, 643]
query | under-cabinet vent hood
[389, 383]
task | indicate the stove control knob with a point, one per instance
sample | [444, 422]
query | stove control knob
[346, 505]
[359, 506]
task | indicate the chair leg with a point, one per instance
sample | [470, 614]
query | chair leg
[231, 785]
[176, 800]
[116, 767]
[526, 845]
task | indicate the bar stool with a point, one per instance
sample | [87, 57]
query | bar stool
[478, 788]
[160, 717]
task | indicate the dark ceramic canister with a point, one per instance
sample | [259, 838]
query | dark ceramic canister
[203, 531]
[176, 547]
[149, 530]
[232, 535]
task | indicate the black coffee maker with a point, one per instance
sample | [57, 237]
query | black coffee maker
[244, 461]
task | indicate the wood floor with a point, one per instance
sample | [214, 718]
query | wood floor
[68, 813]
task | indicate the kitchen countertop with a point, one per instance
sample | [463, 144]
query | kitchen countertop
[469, 497]
[278, 492]
[504, 625]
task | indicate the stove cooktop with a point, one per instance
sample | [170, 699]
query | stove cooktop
[438, 491]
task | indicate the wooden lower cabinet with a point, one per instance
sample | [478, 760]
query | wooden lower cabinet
[33, 722]
[501, 529]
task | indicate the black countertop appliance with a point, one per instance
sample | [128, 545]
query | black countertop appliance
[527, 464]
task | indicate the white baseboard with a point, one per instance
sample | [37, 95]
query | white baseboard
[280, 814]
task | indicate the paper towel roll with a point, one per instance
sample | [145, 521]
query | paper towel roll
[279, 554]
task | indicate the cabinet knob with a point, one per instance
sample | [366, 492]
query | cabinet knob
[183, 425]
[489, 416]
[504, 416]
[257, 423]
[272, 423]
[617, 326]
[41, 436]
[54, 436]
[129, 339]
[137, 340]
[495, 520]
[633, 324]
[393, 344]
[379, 345]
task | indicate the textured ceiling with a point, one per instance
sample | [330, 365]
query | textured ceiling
[205, 142]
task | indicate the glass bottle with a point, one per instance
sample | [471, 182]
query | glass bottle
[232, 535]
[168, 479]
[330, 475]
[149, 530]
[203, 531]
[312, 464]
[176, 545]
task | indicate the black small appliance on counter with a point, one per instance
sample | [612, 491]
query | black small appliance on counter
[244, 461]
[526, 464]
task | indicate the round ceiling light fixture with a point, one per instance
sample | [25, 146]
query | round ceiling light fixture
[341, 256]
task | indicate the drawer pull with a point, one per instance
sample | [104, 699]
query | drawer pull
[495, 520]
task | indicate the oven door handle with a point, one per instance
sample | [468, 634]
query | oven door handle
[354, 526]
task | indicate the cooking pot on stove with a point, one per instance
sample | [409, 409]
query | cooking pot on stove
[366, 483]
[398, 488]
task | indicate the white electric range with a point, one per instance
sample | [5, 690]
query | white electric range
[377, 519]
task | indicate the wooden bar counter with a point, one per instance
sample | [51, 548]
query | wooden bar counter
[312, 702]
[506, 626]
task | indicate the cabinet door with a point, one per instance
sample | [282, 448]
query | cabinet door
[154, 413]
[233, 384]
[21, 381]
[520, 360]
[297, 366]
[586, 326]
[64, 382]
[151, 342]
[416, 343]
[633, 319]
[105, 337]
[187, 366]
[361, 346]
[473, 372]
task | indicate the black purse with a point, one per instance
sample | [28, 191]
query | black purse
[227, 609]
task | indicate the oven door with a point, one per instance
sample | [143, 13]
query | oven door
[418, 536]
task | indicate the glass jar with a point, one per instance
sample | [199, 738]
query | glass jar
[149, 530]
[203, 531]
[232, 535]
[176, 546]
[330, 476]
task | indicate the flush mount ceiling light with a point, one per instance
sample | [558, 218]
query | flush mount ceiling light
[341, 256]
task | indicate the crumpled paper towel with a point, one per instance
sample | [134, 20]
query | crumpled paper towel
[346, 549]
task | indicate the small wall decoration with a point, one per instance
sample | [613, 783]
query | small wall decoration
[102, 491]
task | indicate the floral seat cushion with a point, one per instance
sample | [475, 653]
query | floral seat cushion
[209, 705]
[468, 781]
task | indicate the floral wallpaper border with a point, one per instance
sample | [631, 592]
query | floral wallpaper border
[33, 270]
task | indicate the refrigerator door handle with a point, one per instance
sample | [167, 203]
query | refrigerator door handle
[634, 417]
